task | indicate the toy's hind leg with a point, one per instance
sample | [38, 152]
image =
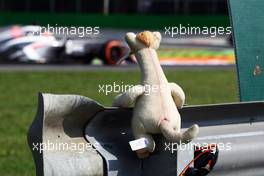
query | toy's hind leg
[139, 132]
[177, 94]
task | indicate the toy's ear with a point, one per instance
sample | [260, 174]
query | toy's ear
[157, 35]
[157, 39]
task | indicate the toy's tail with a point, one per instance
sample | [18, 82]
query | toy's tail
[177, 136]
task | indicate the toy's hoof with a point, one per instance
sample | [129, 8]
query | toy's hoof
[142, 153]
[190, 134]
[194, 130]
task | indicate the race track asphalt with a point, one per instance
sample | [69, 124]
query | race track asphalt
[17, 67]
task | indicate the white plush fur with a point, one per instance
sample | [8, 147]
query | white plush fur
[155, 111]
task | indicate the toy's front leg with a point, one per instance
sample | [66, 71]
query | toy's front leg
[140, 132]
[127, 98]
[177, 94]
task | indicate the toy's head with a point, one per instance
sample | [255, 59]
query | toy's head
[142, 40]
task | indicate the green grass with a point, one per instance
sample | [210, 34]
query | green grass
[18, 101]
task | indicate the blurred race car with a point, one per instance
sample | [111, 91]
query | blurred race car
[49, 50]
[13, 32]
[11, 51]
[28, 48]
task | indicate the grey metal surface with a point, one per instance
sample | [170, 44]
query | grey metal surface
[110, 133]
[241, 148]
[56, 137]
[236, 126]
[223, 114]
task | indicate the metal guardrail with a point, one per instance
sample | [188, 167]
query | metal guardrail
[76, 119]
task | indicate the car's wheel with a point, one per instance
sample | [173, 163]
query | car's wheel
[113, 50]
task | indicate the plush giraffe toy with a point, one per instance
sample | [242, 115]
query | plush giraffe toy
[155, 110]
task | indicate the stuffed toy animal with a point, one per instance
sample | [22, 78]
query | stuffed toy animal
[156, 101]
